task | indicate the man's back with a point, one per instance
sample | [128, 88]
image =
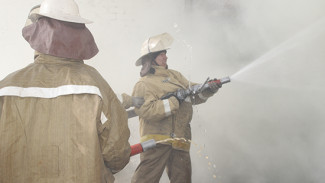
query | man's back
[51, 120]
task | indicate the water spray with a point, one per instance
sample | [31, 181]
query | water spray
[311, 32]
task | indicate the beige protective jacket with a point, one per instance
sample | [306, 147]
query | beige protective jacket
[60, 122]
[166, 119]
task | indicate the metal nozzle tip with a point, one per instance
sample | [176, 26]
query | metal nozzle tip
[225, 80]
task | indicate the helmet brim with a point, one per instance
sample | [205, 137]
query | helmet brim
[139, 61]
[65, 17]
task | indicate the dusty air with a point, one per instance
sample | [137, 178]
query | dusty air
[162, 91]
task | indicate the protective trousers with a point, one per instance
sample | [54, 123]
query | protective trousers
[154, 161]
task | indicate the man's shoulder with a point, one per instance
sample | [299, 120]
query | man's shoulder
[174, 71]
[15, 76]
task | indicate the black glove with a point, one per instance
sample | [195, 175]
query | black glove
[181, 95]
[137, 101]
[214, 86]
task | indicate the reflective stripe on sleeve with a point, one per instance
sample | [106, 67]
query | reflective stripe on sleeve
[167, 107]
[49, 92]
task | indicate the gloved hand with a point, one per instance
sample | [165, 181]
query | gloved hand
[214, 86]
[181, 95]
[137, 101]
[129, 101]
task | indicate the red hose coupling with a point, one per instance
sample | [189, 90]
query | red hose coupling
[141, 147]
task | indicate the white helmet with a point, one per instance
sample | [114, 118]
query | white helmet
[153, 44]
[64, 10]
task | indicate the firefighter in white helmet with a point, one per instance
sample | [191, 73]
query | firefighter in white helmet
[167, 119]
[59, 119]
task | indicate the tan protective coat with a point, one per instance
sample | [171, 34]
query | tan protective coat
[79, 136]
[155, 122]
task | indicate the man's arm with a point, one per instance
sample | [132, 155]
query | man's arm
[114, 134]
[153, 107]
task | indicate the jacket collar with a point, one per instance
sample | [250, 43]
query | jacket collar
[44, 58]
[160, 70]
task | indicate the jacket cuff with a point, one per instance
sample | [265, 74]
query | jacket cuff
[126, 101]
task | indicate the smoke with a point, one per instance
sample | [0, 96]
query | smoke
[266, 126]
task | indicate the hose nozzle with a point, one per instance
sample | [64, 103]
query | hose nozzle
[225, 80]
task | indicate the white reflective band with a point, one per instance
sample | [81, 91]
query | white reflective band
[167, 107]
[103, 118]
[49, 92]
[202, 97]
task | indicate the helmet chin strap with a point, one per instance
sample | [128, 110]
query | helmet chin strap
[155, 63]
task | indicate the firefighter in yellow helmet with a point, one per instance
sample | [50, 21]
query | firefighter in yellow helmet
[59, 119]
[164, 120]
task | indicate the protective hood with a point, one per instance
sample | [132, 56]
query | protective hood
[146, 67]
[61, 39]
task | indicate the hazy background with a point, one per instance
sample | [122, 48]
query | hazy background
[266, 126]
